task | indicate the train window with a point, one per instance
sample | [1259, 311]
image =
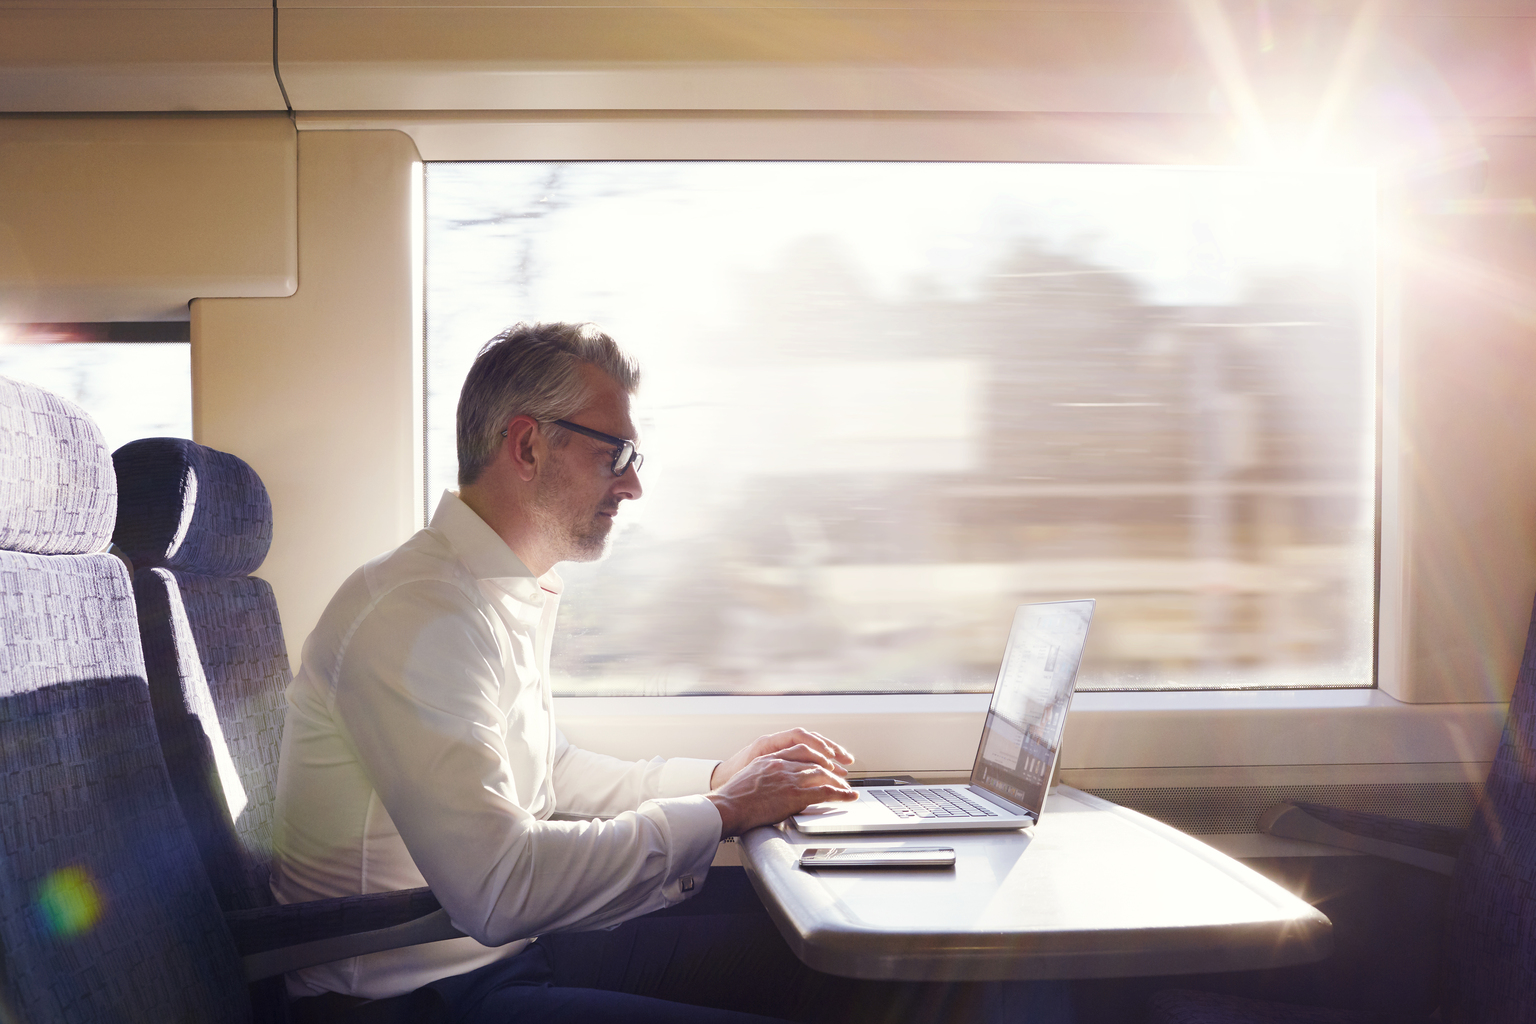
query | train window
[884, 403]
[135, 379]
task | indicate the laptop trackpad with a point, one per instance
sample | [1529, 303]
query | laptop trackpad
[828, 809]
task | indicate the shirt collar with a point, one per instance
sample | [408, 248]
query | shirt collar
[479, 547]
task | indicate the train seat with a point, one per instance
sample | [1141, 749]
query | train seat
[105, 909]
[195, 523]
[1489, 968]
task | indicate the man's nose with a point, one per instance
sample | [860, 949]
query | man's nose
[628, 485]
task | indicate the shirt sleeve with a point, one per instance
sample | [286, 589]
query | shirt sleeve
[589, 783]
[416, 693]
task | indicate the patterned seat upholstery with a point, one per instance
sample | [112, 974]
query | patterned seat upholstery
[195, 523]
[1189, 1006]
[1491, 971]
[1490, 948]
[106, 912]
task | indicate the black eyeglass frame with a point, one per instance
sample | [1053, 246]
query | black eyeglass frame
[624, 453]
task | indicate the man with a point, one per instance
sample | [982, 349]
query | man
[420, 747]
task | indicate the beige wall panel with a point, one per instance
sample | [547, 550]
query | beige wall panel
[1098, 43]
[1468, 355]
[1484, 62]
[1092, 59]
[1165, 57]
[1123, 6]
[571, 135]
[130, 218]
[334, 85]
[130, 5]
[137, 59]
[904, 135]
[736, 58]
[320, 392]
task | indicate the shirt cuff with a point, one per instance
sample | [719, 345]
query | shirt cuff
[694, 824]
[685, 776]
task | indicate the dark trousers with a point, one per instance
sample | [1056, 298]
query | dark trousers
[714, 959]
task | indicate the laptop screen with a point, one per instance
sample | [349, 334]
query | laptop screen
[1029, 704]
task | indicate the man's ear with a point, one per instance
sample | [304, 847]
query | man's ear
[522, 446]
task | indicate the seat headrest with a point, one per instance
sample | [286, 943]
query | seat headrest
[184, 506]
[57, 490]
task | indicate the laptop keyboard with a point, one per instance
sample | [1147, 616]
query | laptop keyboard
[916, 802]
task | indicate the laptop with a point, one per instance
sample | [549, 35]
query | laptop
[1018, 749]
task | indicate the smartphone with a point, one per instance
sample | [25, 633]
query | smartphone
[877, 857]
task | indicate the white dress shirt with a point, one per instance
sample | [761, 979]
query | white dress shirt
[420, 748]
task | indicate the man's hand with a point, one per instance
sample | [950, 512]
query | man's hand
[770, 789]
[789, 745]
[776, 776]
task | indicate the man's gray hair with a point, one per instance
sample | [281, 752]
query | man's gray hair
[531, 370]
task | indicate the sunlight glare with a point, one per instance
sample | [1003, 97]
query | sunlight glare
[69, 902]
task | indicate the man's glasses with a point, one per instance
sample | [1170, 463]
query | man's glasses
[624, 454]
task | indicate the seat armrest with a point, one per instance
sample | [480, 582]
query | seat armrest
[275, 940]
[1432, 847]
[1421, 835]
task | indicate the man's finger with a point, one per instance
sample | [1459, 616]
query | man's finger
[830, 748]
[809, 755]
[833, 750]
[836, 750]
[824, 779]
[791, 737]
[825, 786]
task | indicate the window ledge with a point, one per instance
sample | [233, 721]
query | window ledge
[938, 732]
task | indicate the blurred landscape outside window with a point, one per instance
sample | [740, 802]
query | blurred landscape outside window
[131, 386]
[884, 404]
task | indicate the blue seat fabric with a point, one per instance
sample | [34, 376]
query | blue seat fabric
[106, 913]
[194, 522]
[1187, 1006]
[213, 649]
[1491, 973]
[188, 507]
[57, 493]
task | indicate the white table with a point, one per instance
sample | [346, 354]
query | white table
[1093, 891]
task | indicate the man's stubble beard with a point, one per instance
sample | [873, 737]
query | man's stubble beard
[580, 534]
